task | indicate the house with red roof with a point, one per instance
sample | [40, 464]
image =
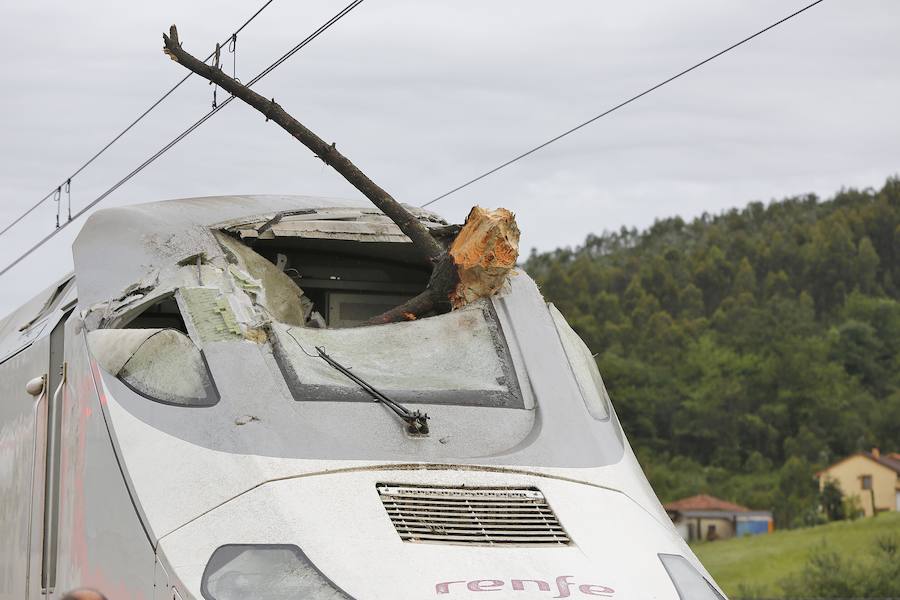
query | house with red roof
[705, 517]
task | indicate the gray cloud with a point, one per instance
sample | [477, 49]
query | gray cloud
[424, 95]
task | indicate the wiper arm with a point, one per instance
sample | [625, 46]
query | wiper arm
[416, 421]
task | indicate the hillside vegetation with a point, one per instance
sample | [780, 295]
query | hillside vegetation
[744, 350]
[764, 565]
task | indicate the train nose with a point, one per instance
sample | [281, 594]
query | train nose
[391, 534]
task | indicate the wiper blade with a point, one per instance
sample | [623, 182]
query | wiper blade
[416, 421]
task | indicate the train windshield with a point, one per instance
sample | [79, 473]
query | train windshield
[255, 297]
[455, 358]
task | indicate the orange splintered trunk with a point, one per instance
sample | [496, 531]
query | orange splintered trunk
[484, 252]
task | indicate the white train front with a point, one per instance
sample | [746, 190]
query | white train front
[170, 429]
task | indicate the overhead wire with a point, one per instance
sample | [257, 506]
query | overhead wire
[68, 181]
[328, 24]
[186, 132]
[620, 105]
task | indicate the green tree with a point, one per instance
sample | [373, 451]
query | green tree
[747, 349]
[867, 266]
[832, 499]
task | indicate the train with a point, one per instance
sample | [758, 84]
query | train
[201, 411]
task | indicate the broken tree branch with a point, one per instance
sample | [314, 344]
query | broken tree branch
[328, 153]
[480, 258]
[481, 254]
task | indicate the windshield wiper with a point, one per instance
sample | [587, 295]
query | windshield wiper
[416, 421]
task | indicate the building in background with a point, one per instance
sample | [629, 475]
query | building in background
[872, 477]
[705, 517]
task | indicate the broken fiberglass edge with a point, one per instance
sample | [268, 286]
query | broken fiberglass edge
[247, 300]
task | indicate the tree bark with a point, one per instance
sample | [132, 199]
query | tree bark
[444, 279]
[408, 224]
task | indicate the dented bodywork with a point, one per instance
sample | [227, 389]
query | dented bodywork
[241, 308]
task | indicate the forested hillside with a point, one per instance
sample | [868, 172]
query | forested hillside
[744, 350]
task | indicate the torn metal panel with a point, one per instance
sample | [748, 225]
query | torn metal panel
[134, 299]
[364, 212]
[336, 230]
[141, 292]
[271, 288]
[53, 300]
[137, 290]
[358, 225]
[157, 235]
[204, 274]
[163, 246]
[26, 324]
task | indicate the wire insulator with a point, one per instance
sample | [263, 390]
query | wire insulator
[69, 197]
[57, 197]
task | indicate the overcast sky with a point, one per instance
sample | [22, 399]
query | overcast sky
[423, 95]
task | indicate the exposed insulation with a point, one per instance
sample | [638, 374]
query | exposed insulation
[272, 289]
[211, 315]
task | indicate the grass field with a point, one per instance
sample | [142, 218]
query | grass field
[763, 560]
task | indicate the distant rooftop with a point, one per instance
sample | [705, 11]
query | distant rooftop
[891, 460]
[704, 502]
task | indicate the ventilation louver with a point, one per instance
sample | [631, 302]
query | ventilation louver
[480, 516]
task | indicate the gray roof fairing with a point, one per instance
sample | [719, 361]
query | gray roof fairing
[118, 247]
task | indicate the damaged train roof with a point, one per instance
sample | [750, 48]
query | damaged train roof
[121, 250]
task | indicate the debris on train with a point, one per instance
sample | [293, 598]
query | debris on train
[273, 289]
[212, 315]
[484, 252]
[245, 419]
[480, 257]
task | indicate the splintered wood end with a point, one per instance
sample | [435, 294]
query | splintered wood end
[484, 252]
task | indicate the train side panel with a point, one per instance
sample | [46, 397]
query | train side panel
[22, 427]
[102, 542]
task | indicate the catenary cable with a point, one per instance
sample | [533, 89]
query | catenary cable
[185, 133]
[68, 181]
[620, 105]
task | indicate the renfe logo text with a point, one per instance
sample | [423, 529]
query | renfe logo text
[563, 585]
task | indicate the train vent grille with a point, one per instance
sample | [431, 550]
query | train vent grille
[473, 516]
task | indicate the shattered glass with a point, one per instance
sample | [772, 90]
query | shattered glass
[455, 358]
